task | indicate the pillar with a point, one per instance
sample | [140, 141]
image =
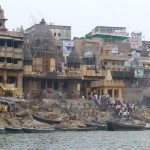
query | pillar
[19, 82]
[113, 94]
[105, 91]
[5, 76]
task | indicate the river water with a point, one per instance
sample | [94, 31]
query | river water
[70, 140]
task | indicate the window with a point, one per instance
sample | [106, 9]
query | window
[122, 64]
[11, 80]
[113, 63]
[1, 23]
[118, 63]
[59, 34]
[2, 42]
[37, 42]
[110, 92]
[2, 59]
[9, 60]
[59, 47]
[10, 43]
[1, 79]
[116, 93]
[105, 63]
[54, 34]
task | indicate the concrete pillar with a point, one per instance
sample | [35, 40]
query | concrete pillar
[20, 83]
[105, 91]
[5, 76]
[19, 80]
[113, 94]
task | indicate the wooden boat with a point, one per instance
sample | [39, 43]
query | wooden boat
[37, 130]
[98, 127]
[67, 129]
[43, 130]
[86, 129]
[13, 130]
[114, 126]
[28, 130]
[46, 121]
[2, 130]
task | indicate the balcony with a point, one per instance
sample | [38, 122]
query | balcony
[113, 57]
[116, 67]
[8, 86]
[71, 74]
[9, 64]
[104, 83]
[2, 48]
[2, 54]
[18, 50]
[9, 54]
[1, 64]
[18, 55]
[18, 66]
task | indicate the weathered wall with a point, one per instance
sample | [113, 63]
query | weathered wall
[135, 94]
[132, 94]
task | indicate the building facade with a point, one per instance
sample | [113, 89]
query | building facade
[11, 60]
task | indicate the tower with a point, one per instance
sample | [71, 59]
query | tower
[2, 20]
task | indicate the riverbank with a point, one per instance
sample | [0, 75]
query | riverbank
[71, 113]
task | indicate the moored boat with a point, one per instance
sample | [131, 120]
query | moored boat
[2, 130]
[13, 130]
[43, 130]
[98, 127]
[46, 120]
[28, 130]
[114, 126]
[67, 129]
[86, 129]
[37, 130]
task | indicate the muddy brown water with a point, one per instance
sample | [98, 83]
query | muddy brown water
[71, 140]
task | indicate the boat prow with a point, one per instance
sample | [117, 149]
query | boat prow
[114, 126]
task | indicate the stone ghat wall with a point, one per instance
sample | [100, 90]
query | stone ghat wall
[135, 94]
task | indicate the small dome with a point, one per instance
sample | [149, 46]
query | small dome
[74, 58]
[1, 13]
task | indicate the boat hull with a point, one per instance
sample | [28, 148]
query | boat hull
[86, 129]
[46, 121]
[98, 127]
[28, 130]
[37, 130]
[113, 126]
[2, 130]
[13, 130]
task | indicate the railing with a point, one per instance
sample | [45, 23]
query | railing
[8, 85]
[107, 83]
[113, 57]
[71, 74]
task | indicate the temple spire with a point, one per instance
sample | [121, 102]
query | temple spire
[2, 20]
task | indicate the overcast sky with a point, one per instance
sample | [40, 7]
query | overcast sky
[81, 15]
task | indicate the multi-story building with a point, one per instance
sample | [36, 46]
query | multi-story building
[61, 32]
[136, 40]
[11, 60]
[106, 30]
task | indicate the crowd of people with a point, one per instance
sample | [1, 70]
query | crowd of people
[119, 108]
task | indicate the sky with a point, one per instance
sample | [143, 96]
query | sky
[81, 15]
